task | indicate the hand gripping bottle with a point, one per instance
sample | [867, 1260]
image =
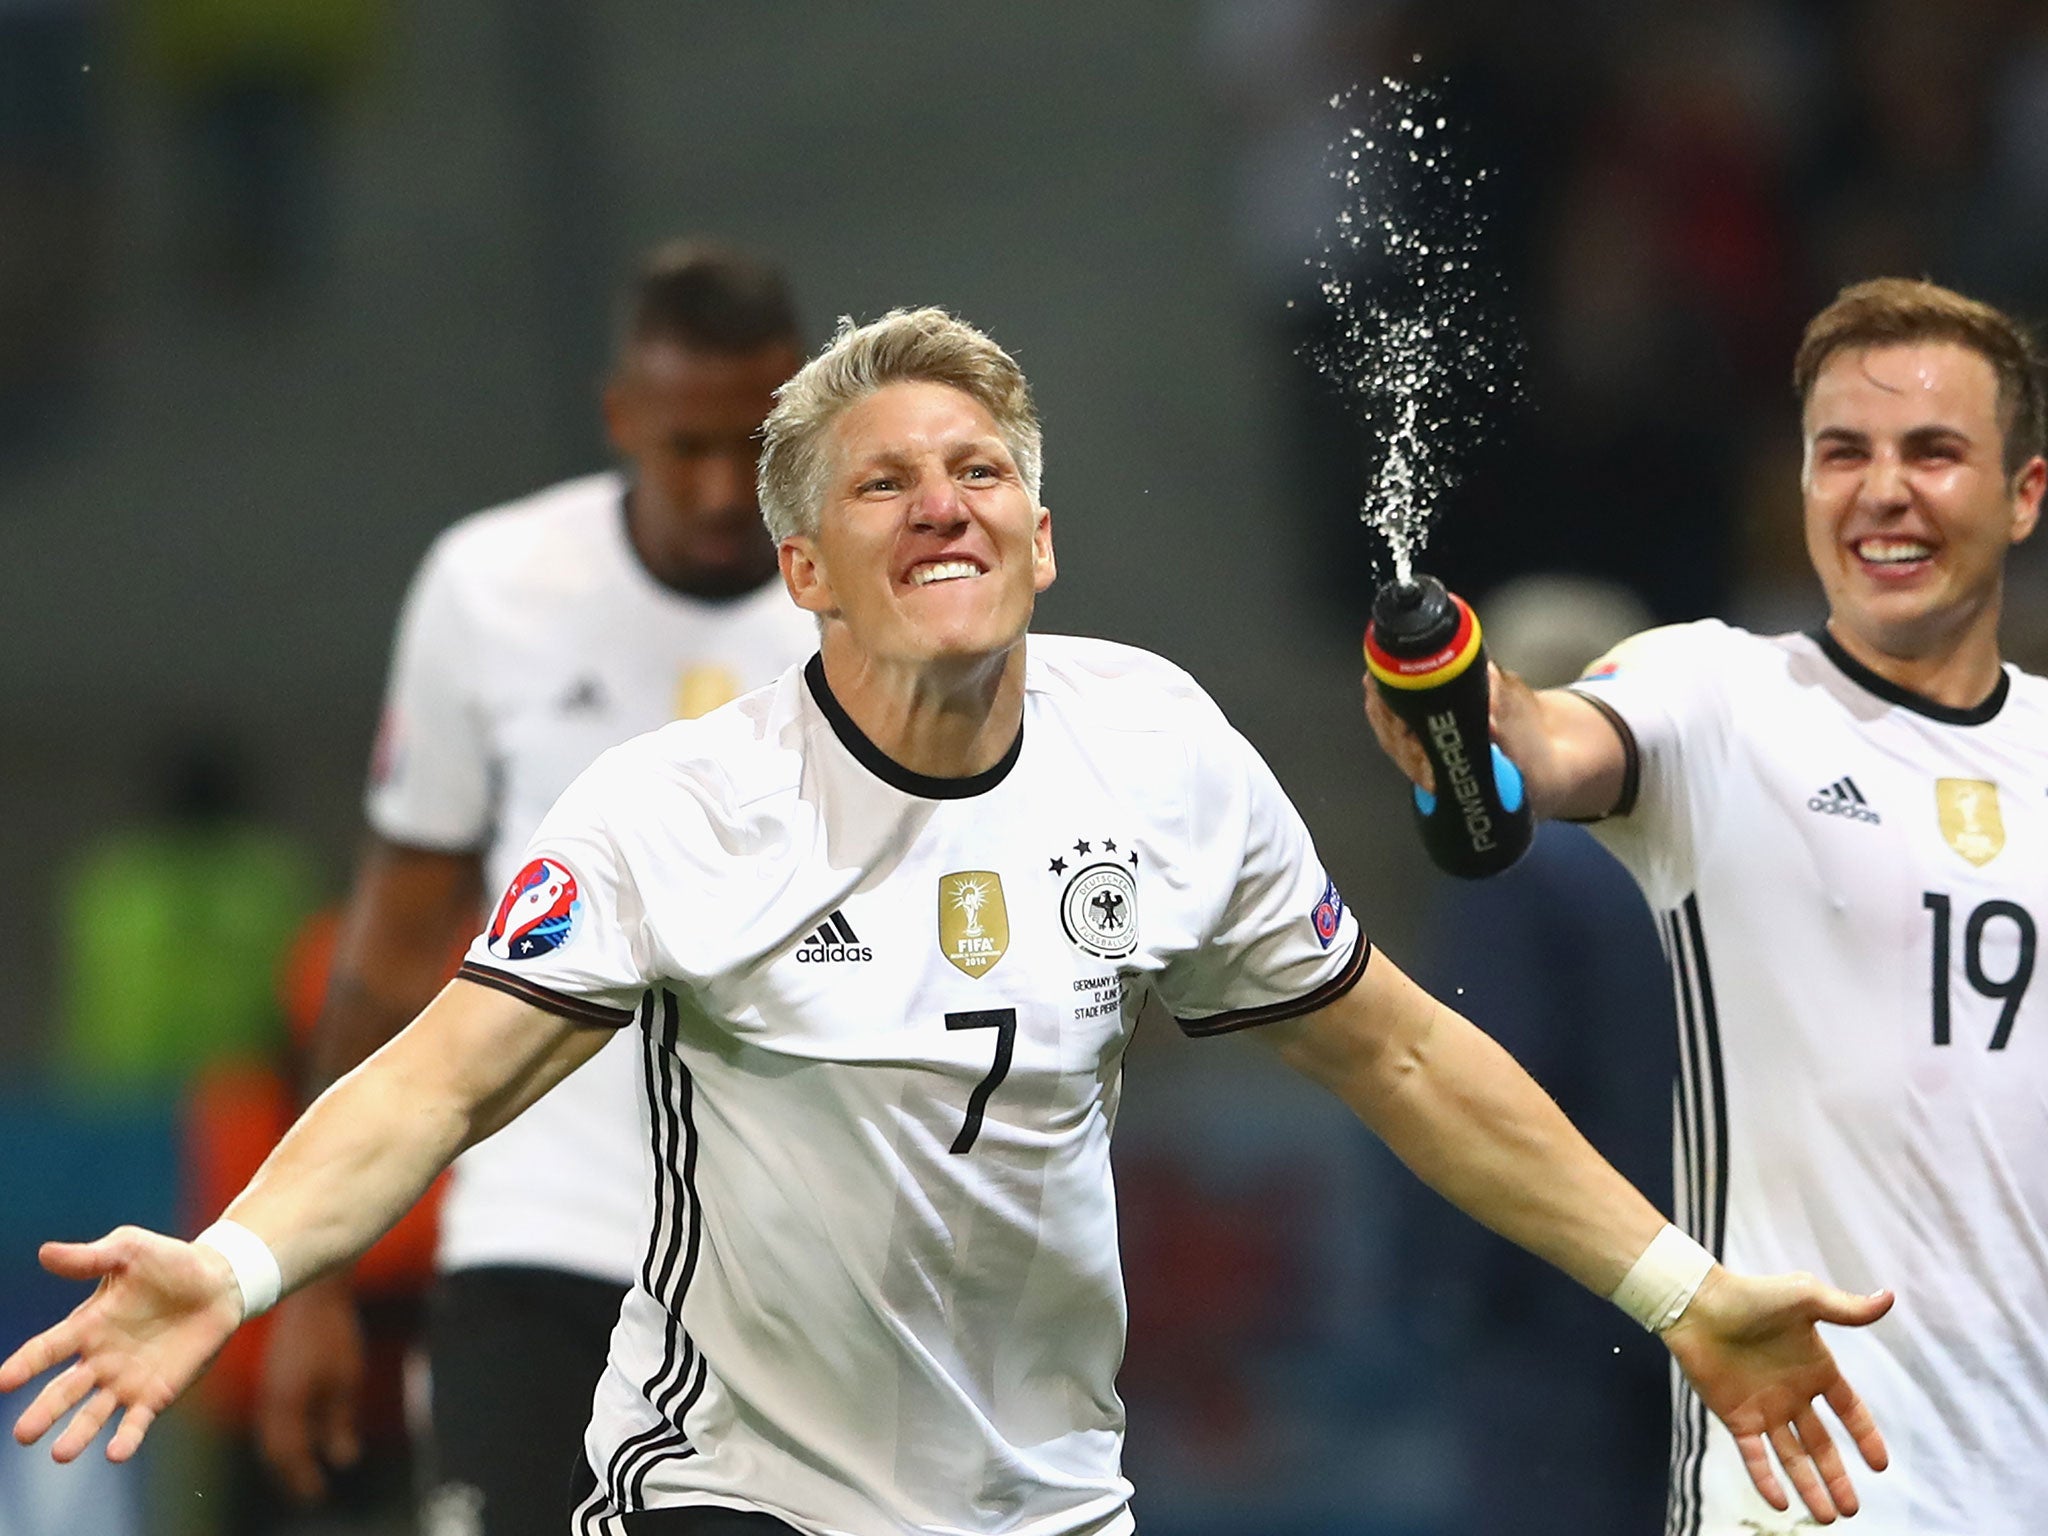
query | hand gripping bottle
[1422, 648]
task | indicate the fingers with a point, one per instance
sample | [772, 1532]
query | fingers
[85, 1425]
[285, 1432]
[59, 1395]
[1799, 1467]
[1758, 1462]
[1827, 1460]
[79, 1261]
[1850, 1309]
[1396, 740]
[128, 1438]
[1856, 1419]
[39, 1354]
[338, 1441]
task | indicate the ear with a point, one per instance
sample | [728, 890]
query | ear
[808, 586]
[2026, 502]
[1043, 567]
[618, 415]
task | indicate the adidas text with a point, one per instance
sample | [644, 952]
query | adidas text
[820, 953]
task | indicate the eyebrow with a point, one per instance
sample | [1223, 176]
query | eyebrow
[1920, 436]
[978, 446]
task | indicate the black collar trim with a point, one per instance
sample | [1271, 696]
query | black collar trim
[1857, 673]
[885, 767]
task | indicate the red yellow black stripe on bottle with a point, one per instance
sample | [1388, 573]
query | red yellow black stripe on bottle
[1433, 670]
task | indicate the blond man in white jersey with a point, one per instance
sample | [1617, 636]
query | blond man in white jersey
[882, 931]
[1843, 836]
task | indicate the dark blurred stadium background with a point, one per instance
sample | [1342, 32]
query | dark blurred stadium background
[287, 285]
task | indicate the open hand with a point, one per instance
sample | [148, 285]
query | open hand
[162, 1310]
[306, 1413]
[1752, 1352]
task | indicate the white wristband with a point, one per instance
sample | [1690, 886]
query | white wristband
[255, 1266]
[1660, 1285]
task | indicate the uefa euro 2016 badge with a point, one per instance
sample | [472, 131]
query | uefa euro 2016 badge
[537, 914]
[1099, 906]
[1328, 915]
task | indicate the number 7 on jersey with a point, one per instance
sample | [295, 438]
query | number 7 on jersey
[1004, 1022]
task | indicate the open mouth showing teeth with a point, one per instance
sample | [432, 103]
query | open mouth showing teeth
[943, 570]
[1892, 551]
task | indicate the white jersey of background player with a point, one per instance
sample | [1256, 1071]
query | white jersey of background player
[897, 1309]
[535, 636]
[533, 639]
[1844, 838]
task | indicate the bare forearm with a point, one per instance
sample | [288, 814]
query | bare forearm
[352, 1165]
[1576, 766]
[370, 1145]
[1461, 1113]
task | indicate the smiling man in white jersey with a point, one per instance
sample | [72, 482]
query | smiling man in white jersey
[536, 635]
[880, 1294]
[1843, 836]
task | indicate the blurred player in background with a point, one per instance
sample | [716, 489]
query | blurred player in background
[1843, 835]
[882, 954]
[536, 635]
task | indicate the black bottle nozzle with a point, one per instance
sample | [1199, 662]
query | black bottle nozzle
[1424, 652]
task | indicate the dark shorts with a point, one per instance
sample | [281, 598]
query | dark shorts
[516, 1354]
[686, 1522]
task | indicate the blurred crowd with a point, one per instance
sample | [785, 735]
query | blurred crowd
[1677, 189]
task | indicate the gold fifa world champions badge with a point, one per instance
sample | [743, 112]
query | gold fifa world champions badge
[700, 690]
[1969, 818]
[974, 925]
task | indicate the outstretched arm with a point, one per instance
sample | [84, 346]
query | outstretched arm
[350, 1167]
[1570, 753]
[1472, 1124]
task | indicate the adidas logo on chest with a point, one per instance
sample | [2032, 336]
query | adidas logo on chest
[833, 941]
[1842, 798]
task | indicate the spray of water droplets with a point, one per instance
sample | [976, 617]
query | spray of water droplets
[1419, 343]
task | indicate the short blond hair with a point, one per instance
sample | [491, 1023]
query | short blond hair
[925, 346]
[1899, 311]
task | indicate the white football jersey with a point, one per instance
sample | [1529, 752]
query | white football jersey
[882, 1020]
[532, 639]
[1850, 880]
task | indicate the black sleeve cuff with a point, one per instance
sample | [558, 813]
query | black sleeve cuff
[1294, 1008]
[578, 1010]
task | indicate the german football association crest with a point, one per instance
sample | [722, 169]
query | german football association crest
[537, 913]
[974, 924]
[1099, 910]
[1969, 817]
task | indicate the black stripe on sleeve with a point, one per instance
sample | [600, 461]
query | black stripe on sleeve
[1293, 1008]
[1631, 757]
[579, 1010]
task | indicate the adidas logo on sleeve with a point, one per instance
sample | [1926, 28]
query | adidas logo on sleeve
[1843, 798]
[833, 940]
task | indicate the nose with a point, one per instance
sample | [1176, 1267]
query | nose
[725, 480]
[937, 506]
[1884, 482]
